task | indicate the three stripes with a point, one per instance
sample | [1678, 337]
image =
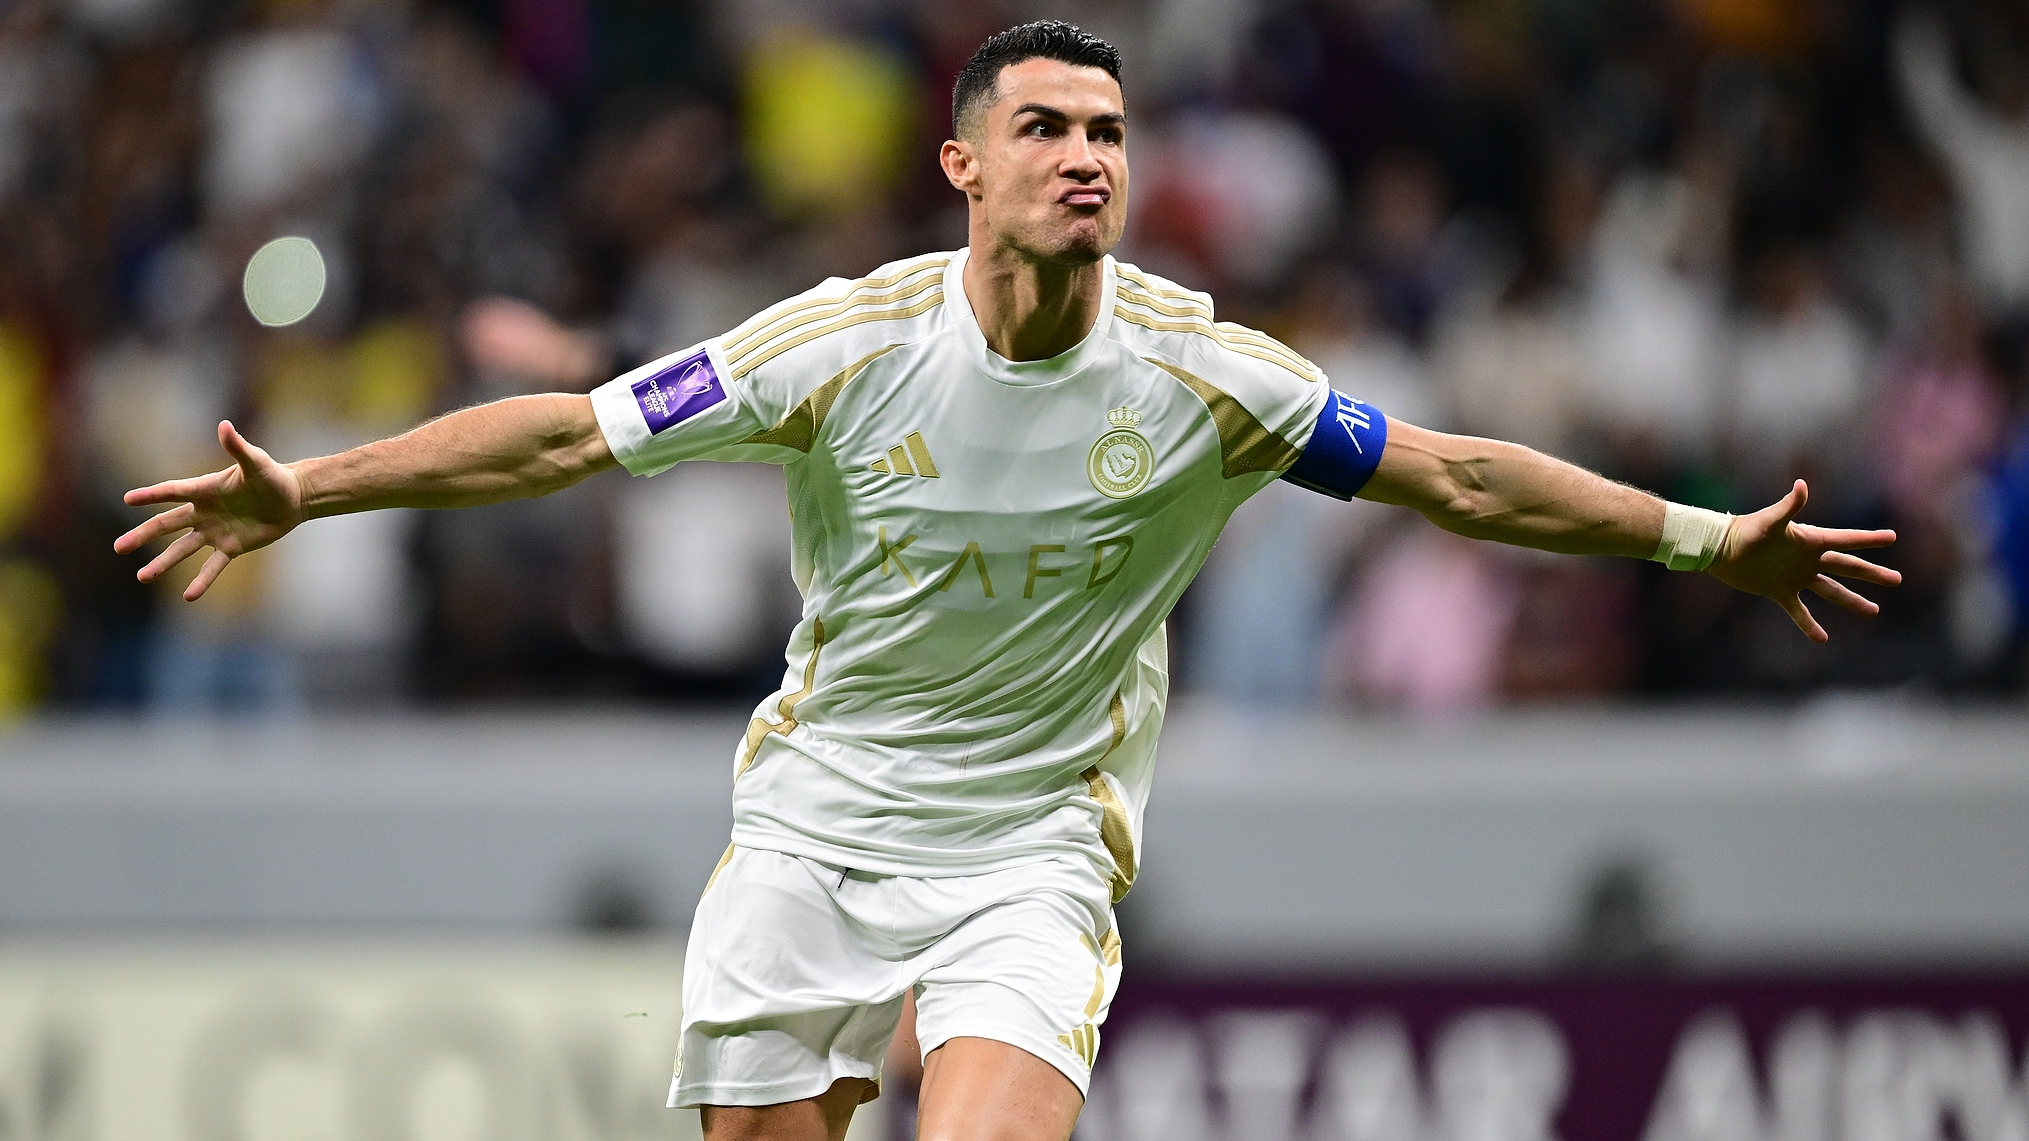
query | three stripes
[914, 289]
[1194, 315]
[910, 457]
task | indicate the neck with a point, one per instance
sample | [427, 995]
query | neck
[1030, 310]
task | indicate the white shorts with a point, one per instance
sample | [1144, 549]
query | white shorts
[796, 969]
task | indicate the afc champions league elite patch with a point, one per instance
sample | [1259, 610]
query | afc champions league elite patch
[1122, 460]
[675, 394]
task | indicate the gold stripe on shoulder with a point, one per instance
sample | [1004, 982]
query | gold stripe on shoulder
[800, 427]
[1302, 363]
[865, 291]
[760, 357]
[1245, 444]
[1172, 291]
[1205, 328]
[1184, 308]
[768, 317]
[1225, 332]
[789, 327]
[1169, 293]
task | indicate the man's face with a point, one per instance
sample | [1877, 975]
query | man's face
[1049, 166]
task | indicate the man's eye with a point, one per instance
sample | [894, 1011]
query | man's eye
[1039, 129]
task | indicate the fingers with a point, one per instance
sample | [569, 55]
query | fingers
[1793, 605]
[1853, 566]
[1834, 591]
[207, 574]
[250, 458]
[156, 526]
[170, 491]
[1826, 538]
[1799, 494]
[178, 551]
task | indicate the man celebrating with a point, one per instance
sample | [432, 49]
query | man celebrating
[1004, 465]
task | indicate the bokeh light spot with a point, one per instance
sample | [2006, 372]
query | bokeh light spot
[284, 281]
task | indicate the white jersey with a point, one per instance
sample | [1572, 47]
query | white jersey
[986, 550]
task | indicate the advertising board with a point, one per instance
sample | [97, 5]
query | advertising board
[1610, 1058]
[439, 1042]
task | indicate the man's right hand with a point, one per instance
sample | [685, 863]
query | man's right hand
[237, 509]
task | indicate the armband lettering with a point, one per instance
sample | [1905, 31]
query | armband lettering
[1344, 448]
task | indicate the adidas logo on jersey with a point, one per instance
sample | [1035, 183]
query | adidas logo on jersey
[910, 457]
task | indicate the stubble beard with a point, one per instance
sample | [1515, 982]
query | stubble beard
[1063, 247]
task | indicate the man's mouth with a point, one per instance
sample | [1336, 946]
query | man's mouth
[1086, 196]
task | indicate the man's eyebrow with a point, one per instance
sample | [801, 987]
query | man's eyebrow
[1106, 119]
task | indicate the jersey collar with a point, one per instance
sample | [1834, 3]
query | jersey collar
[1063, 366]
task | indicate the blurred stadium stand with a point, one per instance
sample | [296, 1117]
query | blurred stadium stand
[1850, 833]
[1699, 245]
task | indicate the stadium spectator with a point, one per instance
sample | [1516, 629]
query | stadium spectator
[1680, 240]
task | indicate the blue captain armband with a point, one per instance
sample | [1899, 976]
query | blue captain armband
[1344, 449]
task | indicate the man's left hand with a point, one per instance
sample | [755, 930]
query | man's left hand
[1770, 554]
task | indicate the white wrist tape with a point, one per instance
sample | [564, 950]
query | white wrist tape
[1691, 537]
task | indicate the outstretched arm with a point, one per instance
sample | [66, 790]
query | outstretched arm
[511, 449]
[1486, 489]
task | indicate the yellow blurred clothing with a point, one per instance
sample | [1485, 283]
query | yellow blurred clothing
[827, 121]
[342, 584]
[22, 426]
[396, 369]
[31, 612]
[383, 380]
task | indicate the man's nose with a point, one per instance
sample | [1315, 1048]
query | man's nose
[1081, 163]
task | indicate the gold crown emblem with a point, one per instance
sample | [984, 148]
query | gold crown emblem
[1123, 418]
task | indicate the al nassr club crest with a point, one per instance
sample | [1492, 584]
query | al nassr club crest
[1121, 460]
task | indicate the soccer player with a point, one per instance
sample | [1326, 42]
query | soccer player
[1004, 465]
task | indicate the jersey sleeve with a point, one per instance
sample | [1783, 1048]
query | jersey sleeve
[1278, 417]
[1263, 398]
[1287, 420]
[694, 405]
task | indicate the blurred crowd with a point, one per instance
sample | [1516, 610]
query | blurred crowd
[1703, 246]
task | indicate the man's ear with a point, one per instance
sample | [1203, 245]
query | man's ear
[961, 165]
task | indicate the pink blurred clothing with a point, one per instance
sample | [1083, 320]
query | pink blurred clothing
[1426, 629]
[1935, 423]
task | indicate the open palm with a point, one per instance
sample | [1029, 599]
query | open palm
[234, 510]
[1770, 554]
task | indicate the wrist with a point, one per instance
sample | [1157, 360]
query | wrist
[1692, 537]
[304, 474]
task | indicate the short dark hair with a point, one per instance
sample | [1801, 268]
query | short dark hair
[979, 80]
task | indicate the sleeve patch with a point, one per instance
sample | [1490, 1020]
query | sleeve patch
[1344, 449]
[672, 395]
